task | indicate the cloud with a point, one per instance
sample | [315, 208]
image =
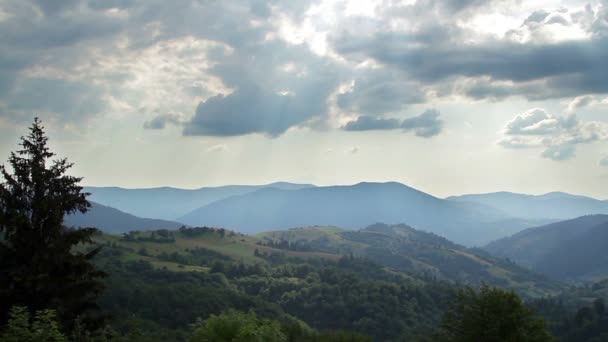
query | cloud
[353, 150]
[116, 57]
[551, 55]
[368, 123]
[559, 152]
[533, 122]
[379, 92]
[218, 148]
[267, 97]
[74, 100]
[558, 136]
[581, 102]
[424, 125]
[160, 121]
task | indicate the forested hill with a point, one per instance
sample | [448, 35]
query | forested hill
[387, 282]
[161, 282]
[409, 250]
[573, 250]
[397, 247]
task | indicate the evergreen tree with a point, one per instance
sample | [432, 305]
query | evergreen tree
[492, 315]
[43, 264]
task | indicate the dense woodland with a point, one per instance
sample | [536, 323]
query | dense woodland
[383, 283]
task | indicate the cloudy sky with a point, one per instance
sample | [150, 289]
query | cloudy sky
[448, 96]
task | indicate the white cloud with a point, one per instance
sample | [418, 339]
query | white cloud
[558, 135]
[581, 102]
[218, 148]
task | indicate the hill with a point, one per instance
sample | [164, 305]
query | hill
[585, 257]
[553, 205]
[170, 203]
[112, 220]
[166, 279]
[400, 248]
[408, 250]
[354, 207]
[570, 250]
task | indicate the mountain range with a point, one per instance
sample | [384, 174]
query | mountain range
[112, 220]
[553, 205]
[571, 250]
[467, 219]
[170, 203]
[354, 207]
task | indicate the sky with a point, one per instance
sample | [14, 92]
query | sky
[447, 96]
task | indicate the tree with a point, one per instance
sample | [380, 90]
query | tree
[237, 326]
[490, 315]
[43, 264]
[44, 327]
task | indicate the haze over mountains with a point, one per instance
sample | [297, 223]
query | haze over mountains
[112, 220]
[519, 227]
[170, 203]
[354, 207]
[571, 250]
[469, 219]
[553, 205]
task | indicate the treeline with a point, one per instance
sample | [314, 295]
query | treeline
[350, 294]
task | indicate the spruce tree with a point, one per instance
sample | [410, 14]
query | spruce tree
[43, 264]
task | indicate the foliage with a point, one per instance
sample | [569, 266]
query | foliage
[352, 294]
[39, 263]
[237, 327]
[491, 314]
[43, 327]
[587, 324]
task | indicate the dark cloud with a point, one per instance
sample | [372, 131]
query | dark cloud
[74, 100]
[424, 125]
[498, 60]
[436, 54]
[247, 111]
[276, 86]
[161, 121]
[368, 123]
[379, 92]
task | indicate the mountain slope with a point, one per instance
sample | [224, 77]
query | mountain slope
[583, 258]
[356, 206]
[570, 250]
[170, 203]
[112, 220]
[553, 205]
[415, 252]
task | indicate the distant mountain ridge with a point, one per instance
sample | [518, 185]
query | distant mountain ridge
[553, 205]
[356, 206]
[170, 203]
[572, 250]
[112, 220]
